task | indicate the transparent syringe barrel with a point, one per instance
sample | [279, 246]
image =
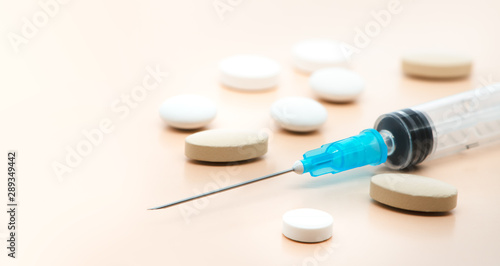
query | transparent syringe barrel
[442, 127]
[463, 121]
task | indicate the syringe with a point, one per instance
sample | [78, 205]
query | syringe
[405, 138]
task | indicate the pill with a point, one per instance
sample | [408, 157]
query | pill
[314, 54]
[413, 192]
[299, 114]
[336, 84]
[188, 111]
[249, 72]
[436, 65]
[225, 145]
[307, 225]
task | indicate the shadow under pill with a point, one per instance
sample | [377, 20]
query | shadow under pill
[408, 82]
[307, 243]
[338, 103]
[436, 79]
[296, 133]
[183, 131]
[408, 212]
[219, 164]
[249, 91]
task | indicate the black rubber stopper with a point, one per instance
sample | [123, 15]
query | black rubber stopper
[412, 136]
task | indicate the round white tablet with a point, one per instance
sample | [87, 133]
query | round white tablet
[188, 111]
[337, 84]
[298, 114]
[307, 225]
[437, 65]
[314, 54]
[249, 72]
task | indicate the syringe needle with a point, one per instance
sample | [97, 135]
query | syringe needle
[223, 189]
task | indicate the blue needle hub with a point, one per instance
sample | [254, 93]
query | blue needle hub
[367, 148]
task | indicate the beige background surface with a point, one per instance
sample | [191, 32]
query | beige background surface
[67, 77]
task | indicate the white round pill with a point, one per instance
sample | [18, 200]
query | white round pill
[298, 114]
[314, 54]
[249, 72]
[337, 84]
[307, 225]
[188, 111]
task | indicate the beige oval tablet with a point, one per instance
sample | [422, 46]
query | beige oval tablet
[437, 65]
[225, 145]
[413, 192]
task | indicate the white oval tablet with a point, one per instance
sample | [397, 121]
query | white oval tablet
[298, 114]
[249, 72]
[413, 192]
[337, 84]
[437, 65]
[225, 145]
[314, 54]
[188, 111]
[307, 225]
